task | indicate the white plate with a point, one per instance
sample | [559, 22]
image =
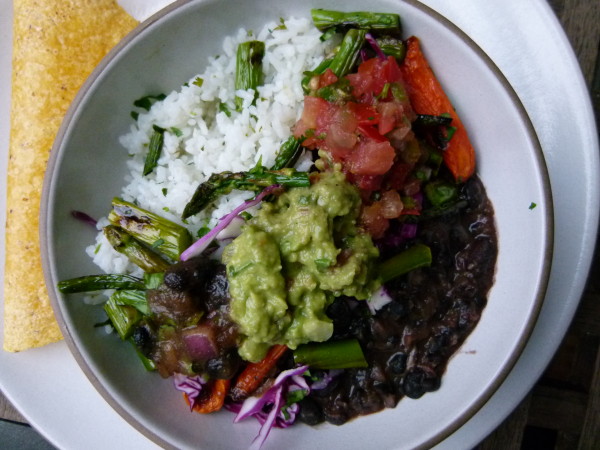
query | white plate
[59, 394]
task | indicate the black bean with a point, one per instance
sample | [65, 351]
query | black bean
[417, 382]
[176, 281]
[337, 411]
[367, 401]
[341, 315]
[310, 412]
[396, 309]
[215, 291]
[397, 363]
[143, 339]
[474, 192]
[187, 274]
[223, 366]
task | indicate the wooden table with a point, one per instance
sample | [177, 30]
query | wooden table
[562, 411]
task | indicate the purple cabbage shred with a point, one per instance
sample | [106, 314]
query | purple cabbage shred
[375, 46]
[272, 409]
[85, 218]
[190, 386]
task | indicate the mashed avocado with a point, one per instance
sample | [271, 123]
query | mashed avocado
[292, 259]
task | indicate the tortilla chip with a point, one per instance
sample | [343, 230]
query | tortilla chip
[57, 44]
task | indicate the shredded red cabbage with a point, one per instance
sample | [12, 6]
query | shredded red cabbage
[83, 217]
[396, 235]
[328, 376]
[190, 386]
[271, 409]
[375, 46]
[200, 245]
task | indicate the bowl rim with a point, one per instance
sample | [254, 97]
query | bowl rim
[55, 157]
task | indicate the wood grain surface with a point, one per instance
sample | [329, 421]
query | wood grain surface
[563, 409]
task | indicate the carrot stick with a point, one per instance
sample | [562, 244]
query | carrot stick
[214, 400]
[427, 97]
[255, 373]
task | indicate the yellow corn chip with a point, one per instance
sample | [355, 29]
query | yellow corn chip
[57, 44]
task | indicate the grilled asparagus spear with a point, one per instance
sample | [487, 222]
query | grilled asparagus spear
[254, 180]
[325, 19]
[165, 236]
[248, 69]
[138, 254]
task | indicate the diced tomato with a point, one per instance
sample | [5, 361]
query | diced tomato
[340, 142]
[372, 220]
[391, 114]
[313, 108]
[372, 133]
[371, 158]
[391, 71]
[372, 75]
[397, 175]
[368, 183]
[391, 204]
[362, 80]
[365, 114]
[327, 78]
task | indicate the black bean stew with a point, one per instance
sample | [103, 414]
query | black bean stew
[409, 341]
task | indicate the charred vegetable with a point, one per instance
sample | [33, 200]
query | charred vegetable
[248, 73]
[254, 180]
[138, 254]
[159, 233]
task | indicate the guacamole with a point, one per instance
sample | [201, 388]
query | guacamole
[292, 259]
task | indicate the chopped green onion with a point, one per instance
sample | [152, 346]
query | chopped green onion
[147, 101]
[343, 354]
[124, 318]
[90, 283]
[154, 149]
[419, 255]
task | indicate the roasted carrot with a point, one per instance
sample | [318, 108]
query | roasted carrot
[255, 373]
[427, 97]
[214, 400]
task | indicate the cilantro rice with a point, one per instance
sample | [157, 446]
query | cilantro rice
[205, 134]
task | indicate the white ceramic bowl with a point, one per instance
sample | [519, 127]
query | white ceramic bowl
[86, 170]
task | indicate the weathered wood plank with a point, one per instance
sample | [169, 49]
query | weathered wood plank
[590, 433]
[509, 434]
[8, 412]
[557, 409]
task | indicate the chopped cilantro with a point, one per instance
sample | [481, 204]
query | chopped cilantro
[281, 25]
[164, 192]
[147, 101]
[176, 131]
[203, 231]
[223, 108]
[198, 82]
[532, 205]
[322, 263]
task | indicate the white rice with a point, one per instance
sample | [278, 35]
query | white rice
[210, 141]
